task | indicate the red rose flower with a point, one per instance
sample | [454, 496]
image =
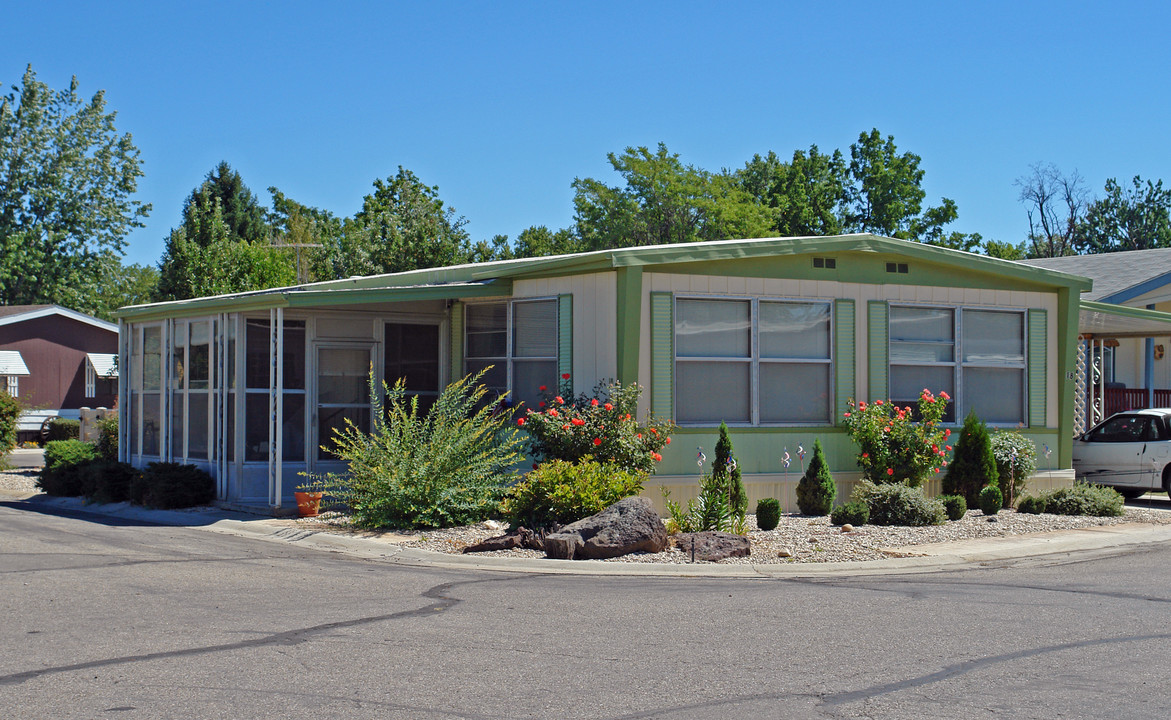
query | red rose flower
[542, 388]
[564, 376]
[608, 406]
[597, 441]
[560, 400]
[594, 402]
[578, 422]
[520, 421]
[890, 471]
[668, 441]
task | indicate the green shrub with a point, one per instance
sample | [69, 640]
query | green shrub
[709, 511]
[1016, 459]
[974, 465]
[991, 500]
[64, 459]
[854, 512]
[1031, 505]
[450, 466]
[897, 504]
[816, 490]
[727, 471]
[171, 485]
[1084, 499]
[602, 425]
[955, 506]
[108, 438]
[109, 482]
[559, 492]
[10, 410]
[768, 514]
[63, 429]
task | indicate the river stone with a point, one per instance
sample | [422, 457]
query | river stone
[713, 546]
[629, 525]
[847, 528]
[785, 552]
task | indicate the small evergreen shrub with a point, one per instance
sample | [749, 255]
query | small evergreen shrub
[1084, 499]
[974, 465]
[991, 500]
[171, 485]
[63, 429]
[854, 512]
[954, 505]
[559, 492]
[10, 409]
[816, 490]
[897, 504]
[108, 438]
[727, 470]
[109, 482]
[1016, 459]
[62, 474]
[768, 514]
[1031, 505]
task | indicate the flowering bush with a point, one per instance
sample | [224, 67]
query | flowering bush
[893, 446]
[601, 424]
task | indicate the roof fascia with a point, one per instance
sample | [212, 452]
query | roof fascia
[1137, 289]
[202, 306]
[64, 312]
[319, 298]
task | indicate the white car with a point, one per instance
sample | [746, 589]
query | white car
[1129, 451]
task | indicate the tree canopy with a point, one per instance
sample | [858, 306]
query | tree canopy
[67, 180]
[1136, 218]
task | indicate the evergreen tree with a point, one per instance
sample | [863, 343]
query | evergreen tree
[974, 464]
[816, 490]
[727, 471]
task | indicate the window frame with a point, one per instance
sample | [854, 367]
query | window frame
[959, 401]
[754, 359]
[509, 358]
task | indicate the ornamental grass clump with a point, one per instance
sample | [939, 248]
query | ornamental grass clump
[974, 465]
[601, 424]
[449, 466]
[816, 490]
[900, 444]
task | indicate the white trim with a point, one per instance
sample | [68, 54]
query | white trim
[64, 312]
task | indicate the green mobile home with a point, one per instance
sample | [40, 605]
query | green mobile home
[772, 336]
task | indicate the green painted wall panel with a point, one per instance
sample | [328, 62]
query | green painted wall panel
[629, 320]
[662, 322]
[1038, 369]
[878, 349]
[457, 340]
[845, 357]
[565, 334]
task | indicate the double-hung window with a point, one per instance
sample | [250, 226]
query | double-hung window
[752, 362]
[519, 340]
[979, 352]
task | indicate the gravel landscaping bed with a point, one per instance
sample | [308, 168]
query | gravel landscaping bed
[808, 539]
[20, 480]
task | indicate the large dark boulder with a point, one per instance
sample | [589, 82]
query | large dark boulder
[712, 546]
[519, 538]
[629, 525]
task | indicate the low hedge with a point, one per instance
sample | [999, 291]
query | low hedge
[63, 473]
[169, 485]
[63, 429]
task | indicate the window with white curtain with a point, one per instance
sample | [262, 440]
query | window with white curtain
[749, 361]
[980, 353]
[518, 339]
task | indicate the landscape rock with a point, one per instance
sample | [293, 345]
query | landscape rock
[847, 528]
[784, 552]
[521, 537]
[629, 525]
[712, 546]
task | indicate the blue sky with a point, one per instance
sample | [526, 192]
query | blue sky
[503, 104]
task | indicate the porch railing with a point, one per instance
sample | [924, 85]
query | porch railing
[1120, 399]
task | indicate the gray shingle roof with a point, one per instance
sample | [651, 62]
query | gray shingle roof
[1113, 273]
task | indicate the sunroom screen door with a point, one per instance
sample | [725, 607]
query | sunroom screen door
[342, 392]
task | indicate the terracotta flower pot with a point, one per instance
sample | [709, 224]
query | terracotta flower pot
[308, 503]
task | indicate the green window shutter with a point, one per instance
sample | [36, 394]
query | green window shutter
[878, 349]
[457, 340]
[1038, 372]
[844, 357]
[662, 355]
[565, 334]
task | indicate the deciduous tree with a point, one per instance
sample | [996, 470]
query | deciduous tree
[1055, 204]
[1135, 218]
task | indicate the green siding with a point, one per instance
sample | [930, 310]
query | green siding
[1038, 370]
[662, 355]
[629, 304]
[844, 356]
[457, 340]
[878, 349]
[565, 334]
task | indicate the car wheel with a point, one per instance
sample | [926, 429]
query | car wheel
[1131, 493]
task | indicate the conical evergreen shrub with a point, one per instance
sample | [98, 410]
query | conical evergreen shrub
[816, 491]
[974, 465]
[727, 471]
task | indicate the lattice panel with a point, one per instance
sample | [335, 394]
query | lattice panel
[1080, 395]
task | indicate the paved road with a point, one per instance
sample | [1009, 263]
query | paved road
[107, 619]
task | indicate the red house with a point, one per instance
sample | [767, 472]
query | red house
[56, 361]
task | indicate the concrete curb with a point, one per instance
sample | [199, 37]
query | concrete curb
[934, 557]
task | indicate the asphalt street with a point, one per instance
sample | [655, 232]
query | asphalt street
[107, 617]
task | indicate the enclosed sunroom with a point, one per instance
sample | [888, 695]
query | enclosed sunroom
[771, 336]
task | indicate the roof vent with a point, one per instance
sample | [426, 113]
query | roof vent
[826, 263]
[896, 268]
